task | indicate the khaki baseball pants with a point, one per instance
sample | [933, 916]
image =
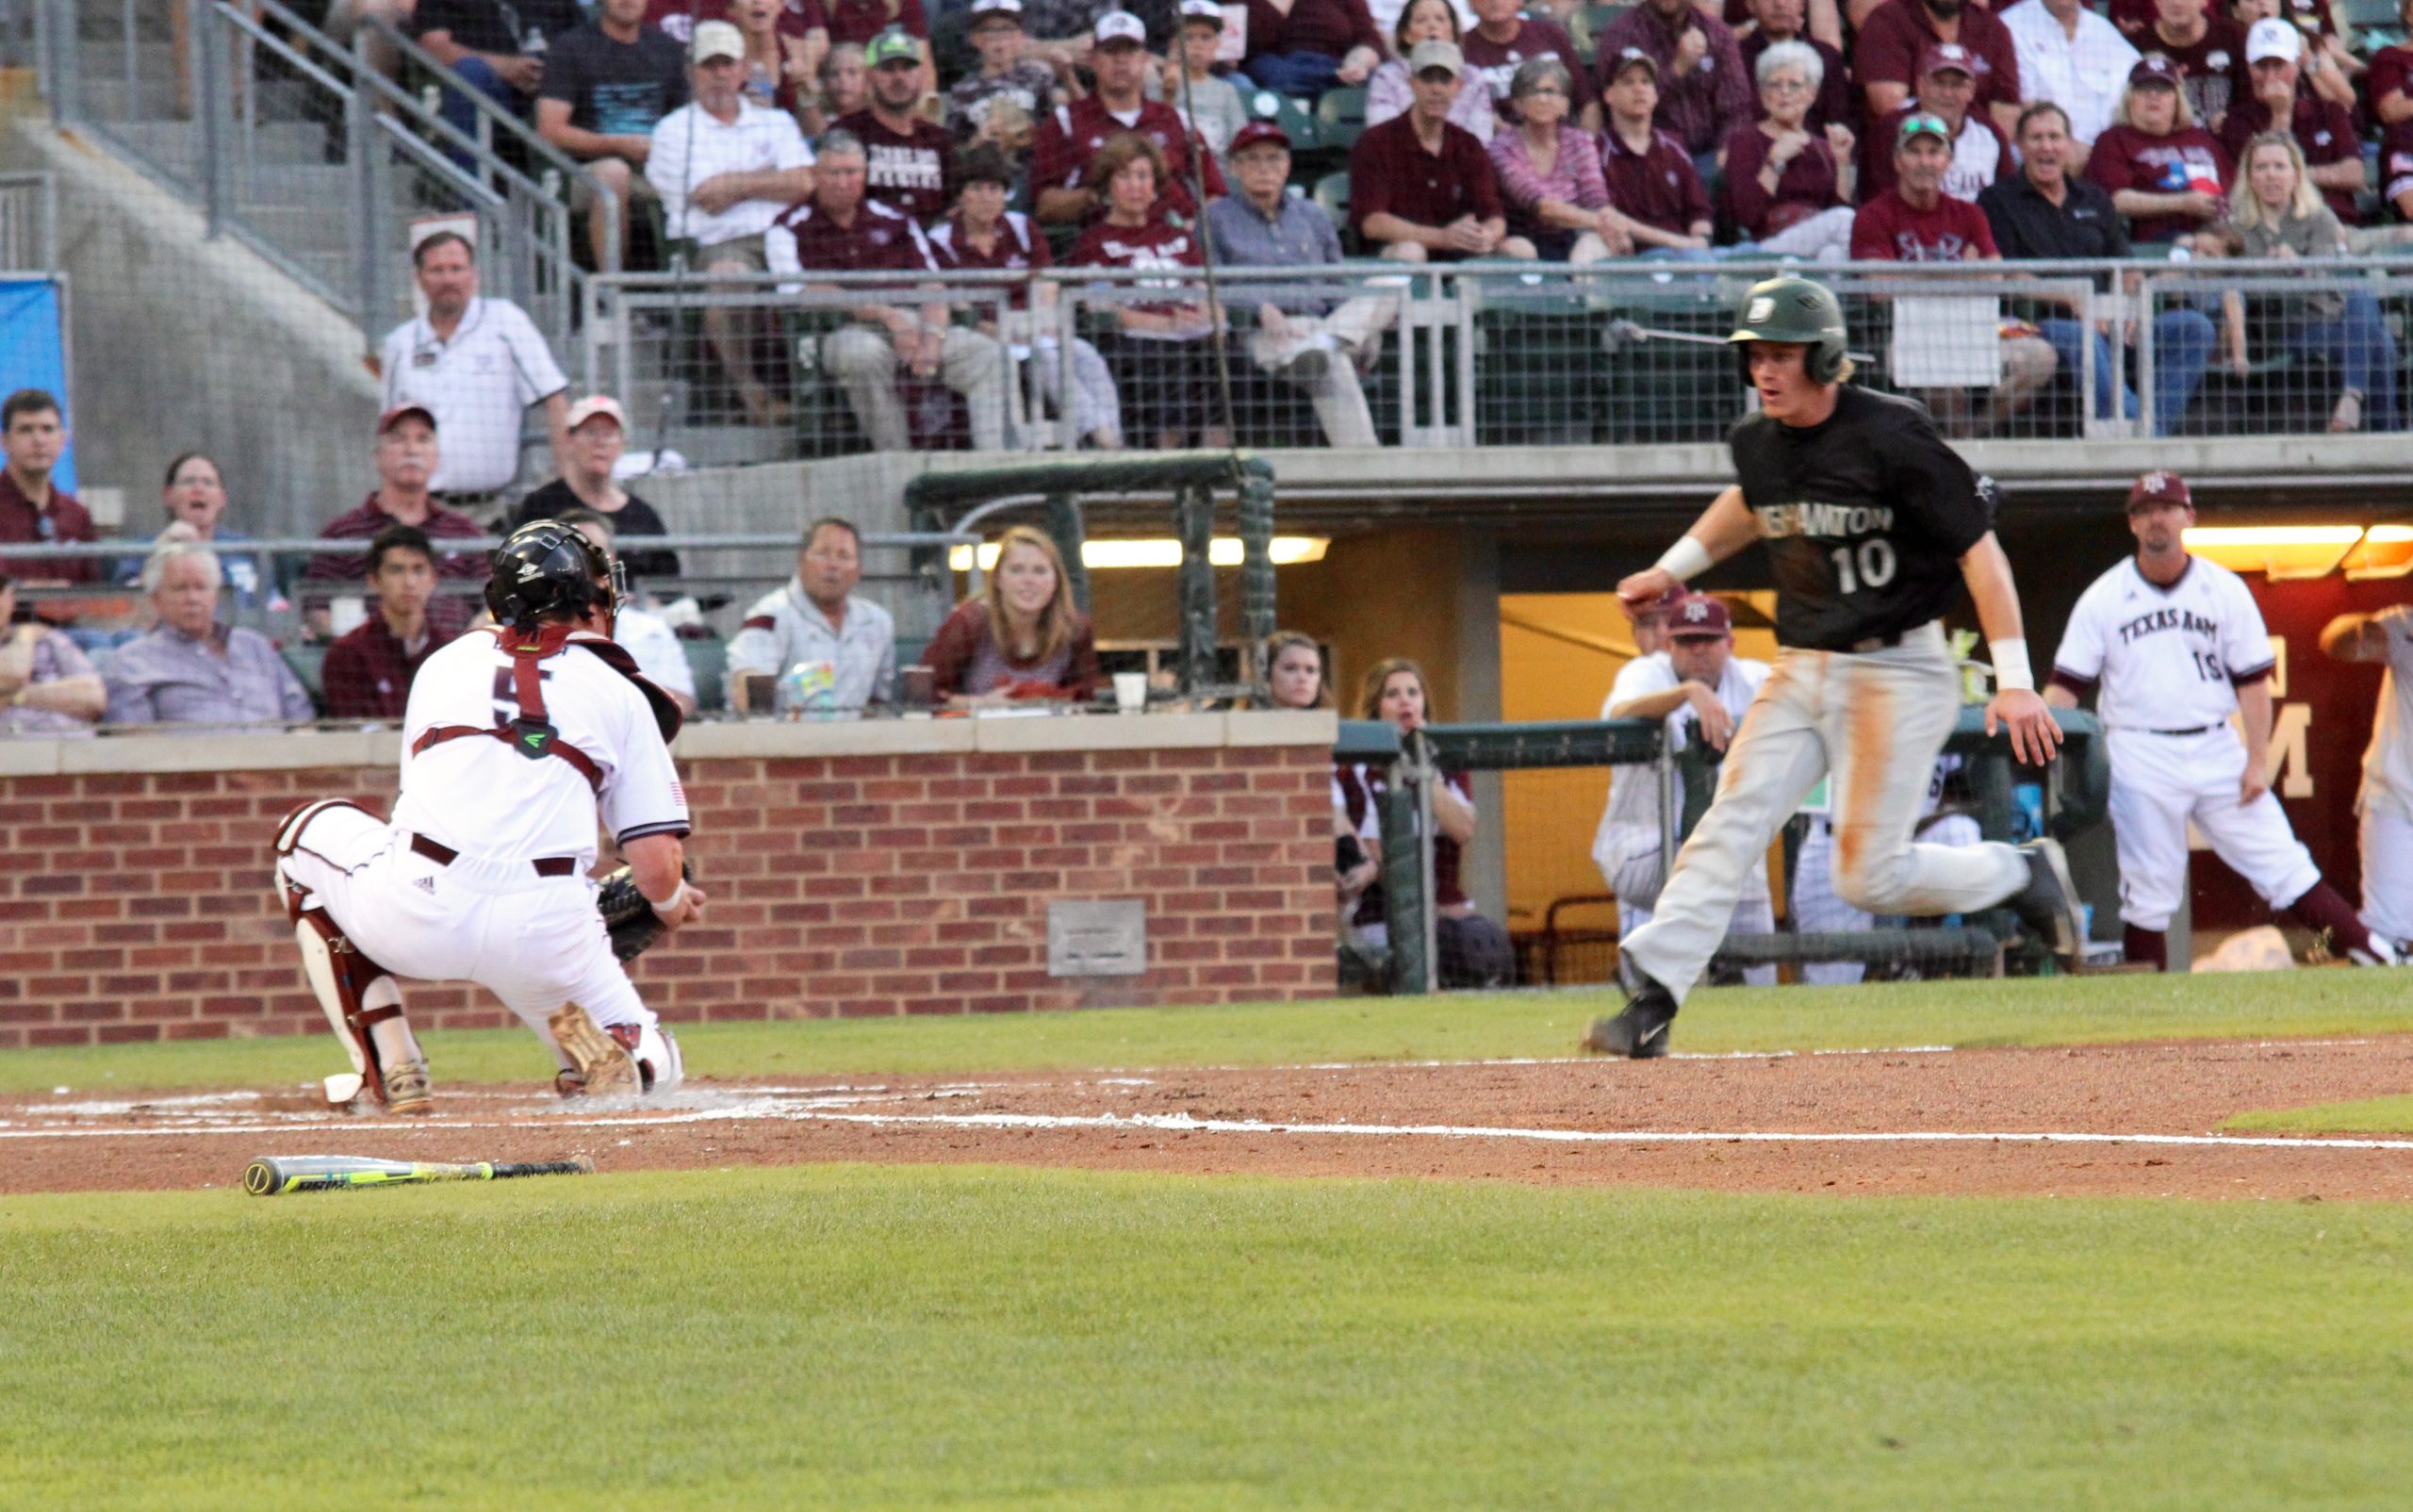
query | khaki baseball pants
[1875, 722]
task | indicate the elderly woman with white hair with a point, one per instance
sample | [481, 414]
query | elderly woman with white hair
[1789, 188]
[191, 670]
[1550, 178]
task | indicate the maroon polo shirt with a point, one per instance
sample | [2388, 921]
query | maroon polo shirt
[61, 522]
[1018, 246]
[2325, 129]
[905, 171]
[1390, 172]
[367, 672]
[452, 611]
[1806, 187]
[1833, 107]
[1497, 61]
[1658, 187]
[1070, 135]
[1898, 31]
[860, 21]
[2211, 68]
[1702, 105]
[878, 239]
[1889, 229]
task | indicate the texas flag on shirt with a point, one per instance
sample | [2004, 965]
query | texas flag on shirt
[2190, 171]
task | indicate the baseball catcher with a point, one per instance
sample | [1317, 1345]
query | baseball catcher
[513, 740]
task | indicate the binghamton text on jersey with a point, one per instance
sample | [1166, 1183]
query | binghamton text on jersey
[1866, 515]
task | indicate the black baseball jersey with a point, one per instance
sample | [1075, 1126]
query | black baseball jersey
[1866, 517]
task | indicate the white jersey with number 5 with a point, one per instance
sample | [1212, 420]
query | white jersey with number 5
[2168, 658]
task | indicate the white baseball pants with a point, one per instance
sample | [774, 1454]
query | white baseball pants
[2387, 874]
[1636, 883]
[2158, 782]
[534, 942]
[1875, 722]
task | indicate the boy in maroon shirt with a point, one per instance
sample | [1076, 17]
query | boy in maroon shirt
[369, 670]
[32, 509]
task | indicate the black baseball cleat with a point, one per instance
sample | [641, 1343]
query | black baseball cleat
[2048, 905]
[1640, 1031]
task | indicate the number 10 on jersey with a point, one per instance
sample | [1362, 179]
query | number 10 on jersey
[1871, 565]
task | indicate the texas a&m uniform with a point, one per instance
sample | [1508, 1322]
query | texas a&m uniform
[515, 739]
[2168, 659]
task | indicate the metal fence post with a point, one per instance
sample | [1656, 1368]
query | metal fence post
[1258, 618]
[360, 127]
[209, 61]
[1194, 512]
[2148, 357]
[1070, 533]
[1406, 868]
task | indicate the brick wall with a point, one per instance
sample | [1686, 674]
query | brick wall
[137, 907]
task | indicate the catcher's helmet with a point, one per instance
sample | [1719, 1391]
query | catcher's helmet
[547, 567]
[1789, 308]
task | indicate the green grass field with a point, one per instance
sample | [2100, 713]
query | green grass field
[2089, 1010]
[972, 1337]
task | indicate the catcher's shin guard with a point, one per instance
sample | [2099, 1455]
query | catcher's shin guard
[365, 1009]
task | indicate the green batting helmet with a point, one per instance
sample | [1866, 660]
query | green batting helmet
[1795, 310]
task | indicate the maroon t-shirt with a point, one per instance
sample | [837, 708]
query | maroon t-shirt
[677, 18]
[860, 21]
[905, 171]
[2188, 158]
[1390, 172]
[2323, 128]
[448, 613]
[2135, 18]
[1890, 229]
[1659, 188]
[1158, 244]
[2211, 68]
[1330, 27]
[1888, 49]
[62, 521]
[2391, 72]
[1497, 61]
[1834, 106]
[877, 240]
[1070, 135]
[367, 672]
[1807, 186]
[1018, 246]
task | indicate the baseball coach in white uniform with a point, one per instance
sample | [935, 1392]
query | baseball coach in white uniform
[2177, 646]
[514, 738]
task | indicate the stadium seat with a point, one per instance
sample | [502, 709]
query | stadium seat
[1332, 192]
[309, 661]
[1288, 113]
[1340, 115]
[1588, 22]
[708, 659]
[823, 420]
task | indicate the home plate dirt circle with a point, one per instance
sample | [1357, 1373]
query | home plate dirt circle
[2108, 1119]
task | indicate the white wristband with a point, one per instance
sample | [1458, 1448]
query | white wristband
[670, 904]
[2010, 665]
[1686, 560]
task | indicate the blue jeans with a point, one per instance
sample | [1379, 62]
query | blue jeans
[1304, 76]
[2182, 348]
[2359, 343]
[461, 113]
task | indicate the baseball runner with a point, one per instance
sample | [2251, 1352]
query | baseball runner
[2384, 802]
[1697, 684]
[2178, 647]
[513, 739]
[1872, 523]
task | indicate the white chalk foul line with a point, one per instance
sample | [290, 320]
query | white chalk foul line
[774, 1108]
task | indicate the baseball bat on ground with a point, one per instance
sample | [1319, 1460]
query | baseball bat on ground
[271, 1173]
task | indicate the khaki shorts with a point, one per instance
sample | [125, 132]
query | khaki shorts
[744, 255]
[639, 190]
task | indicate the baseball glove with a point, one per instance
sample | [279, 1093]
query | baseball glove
[628, 918]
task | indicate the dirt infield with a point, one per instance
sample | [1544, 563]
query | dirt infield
[2127, 1120]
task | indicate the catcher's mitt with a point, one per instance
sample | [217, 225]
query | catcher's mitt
[628, 918]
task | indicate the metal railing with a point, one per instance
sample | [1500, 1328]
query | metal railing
[28, 223]
[286, 141]
[1508, 355]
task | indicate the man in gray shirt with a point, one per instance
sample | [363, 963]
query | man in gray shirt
[1264, 225]
[191, 669]
[845, 645]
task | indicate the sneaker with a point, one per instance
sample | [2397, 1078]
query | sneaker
[1640, 1031]
[600, 1061]
[2381, 954]
[2048, 905]
[409, 1093]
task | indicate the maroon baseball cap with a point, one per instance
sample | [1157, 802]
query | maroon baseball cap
[1256, 134]
[1943, 57]
[1699, 616]
[387, 420]
[2156, 68]
[2159, 488]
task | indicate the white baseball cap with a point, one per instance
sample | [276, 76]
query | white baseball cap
[1121, 26]
[2274, 37]
[1202, 10]
[717, 38]
[592, 406]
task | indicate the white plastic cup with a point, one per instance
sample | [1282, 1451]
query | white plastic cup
[346, 614]
[1130, 692]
